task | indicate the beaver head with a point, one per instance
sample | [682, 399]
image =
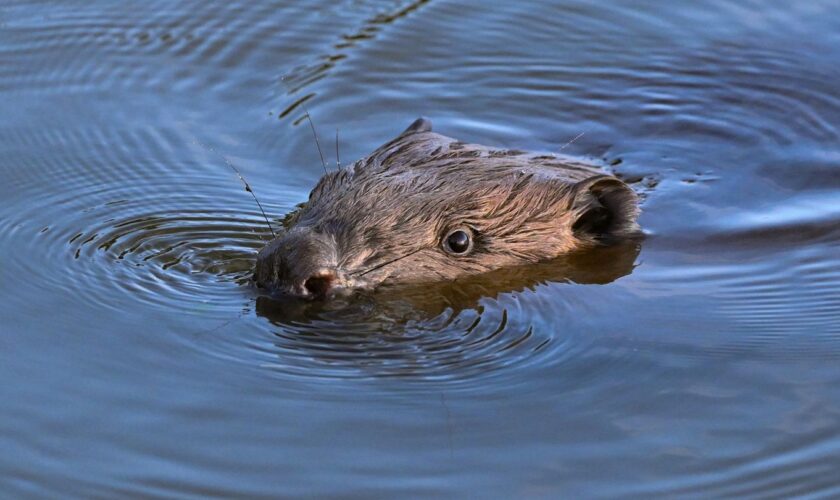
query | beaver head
[425, 207]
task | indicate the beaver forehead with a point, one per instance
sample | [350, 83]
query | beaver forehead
[421, 206]
[431, 180]
[430, 162]
[444, 183]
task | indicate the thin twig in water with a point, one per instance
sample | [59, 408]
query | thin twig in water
[311, 125]
[241, 178]
[570, 142]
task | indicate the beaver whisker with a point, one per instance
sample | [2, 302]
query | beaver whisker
[564, 146]
[380, 266]
[317, 143]
[241, 178]
[337, 157]
[311, 125]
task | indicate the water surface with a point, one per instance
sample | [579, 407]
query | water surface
[137, 361]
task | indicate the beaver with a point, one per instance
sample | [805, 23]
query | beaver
[427, 208]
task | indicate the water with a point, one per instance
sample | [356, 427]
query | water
[137, 361]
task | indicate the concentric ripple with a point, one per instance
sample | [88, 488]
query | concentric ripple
[173, 256]
[139, 362]
[454, 346]
[454, 335]
[130, 228]
[374, 338]
[183, 236]
[167, 249]
[170, 251]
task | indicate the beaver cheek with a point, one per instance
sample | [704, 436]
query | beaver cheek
[370, 280]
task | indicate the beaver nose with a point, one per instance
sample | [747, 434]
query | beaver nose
[320, 283]
[301, 263]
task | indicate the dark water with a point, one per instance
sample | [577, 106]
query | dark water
[136, 361]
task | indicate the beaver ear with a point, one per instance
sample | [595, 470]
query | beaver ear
[604, 208]
[385, 155]
[421, 124]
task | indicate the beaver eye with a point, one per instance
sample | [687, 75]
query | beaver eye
[458, 242]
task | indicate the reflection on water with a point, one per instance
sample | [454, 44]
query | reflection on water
[138, 360]
[455, 331]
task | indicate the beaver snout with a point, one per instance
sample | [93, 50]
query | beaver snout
[301, 263]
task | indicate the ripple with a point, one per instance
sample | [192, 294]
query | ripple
[145, 230]
[377, 339]
[131, 223]
[793, 297]
[709, 362]
[806, 468]
[454, 336]
[306, 74]
[180, 47]
[169, 258]
[687, 87]
[779, 303]
[173, 256]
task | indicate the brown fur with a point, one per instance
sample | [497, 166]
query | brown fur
[383, 218]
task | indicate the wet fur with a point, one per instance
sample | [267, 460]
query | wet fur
[382, 218]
